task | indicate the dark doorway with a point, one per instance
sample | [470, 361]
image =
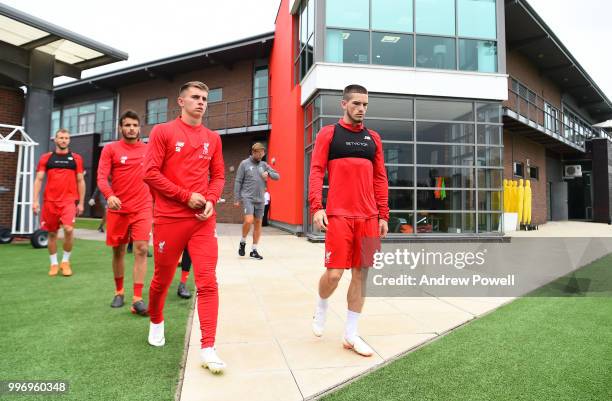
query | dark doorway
[579, 201]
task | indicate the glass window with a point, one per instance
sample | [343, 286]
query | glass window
[489, 222]
[390, 130]
[303, 26]
[488, 112]
[477, 18]
[490, 157]
[331, 105]
[344, 46]
[400, 176]
[88, 108]
[489, 135]
[477, 55]
[401, 222]
[55, 122]
[214, 95]
[444, 110]
[445, 132]
[70, 119]
[392, 49]
[104, 119]
[435, 52]
[533, 172]
[260, 96]
[343, 14]
[489, 200]
[311, 17]
[392, 15]
[398, 153]
[401, 199]
[389, 107]
[454, 177]
[517, 169]
[490, 178]
[445, 223]
[443, 199]
[157, 111]
[435, 16]
[86, 122]
[445, 154]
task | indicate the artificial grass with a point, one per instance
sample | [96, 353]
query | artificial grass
[88, 223]
[63, 328]
[553, 345]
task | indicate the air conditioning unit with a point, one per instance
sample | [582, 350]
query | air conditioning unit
[573, 170]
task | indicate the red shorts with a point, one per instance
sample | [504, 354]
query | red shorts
[350, 242]
[54, 213]
[123, 227]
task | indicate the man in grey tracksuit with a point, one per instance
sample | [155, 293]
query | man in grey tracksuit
[249, 189]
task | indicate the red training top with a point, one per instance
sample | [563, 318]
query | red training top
[122, 164]
[62, 170]
[358, 185]
[183, 159]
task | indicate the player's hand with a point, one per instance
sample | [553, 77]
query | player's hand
[208, 211]
[113, 203]
[91, 202]
[265, 175]
[383, 228]
[80, 209]
[196, 201]
[320, 220]
[35, 207]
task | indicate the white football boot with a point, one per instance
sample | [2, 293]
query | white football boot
[156, 334]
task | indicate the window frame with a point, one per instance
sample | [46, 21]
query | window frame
[514, 169]
[220, 91]
[479, 180]
[456, 38]
[149, 113]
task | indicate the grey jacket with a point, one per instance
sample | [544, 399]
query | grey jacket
[250, 183]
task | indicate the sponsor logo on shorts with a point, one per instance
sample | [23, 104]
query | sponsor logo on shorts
[123, 159]
[178, 146]
[327, 256]
[160, 246]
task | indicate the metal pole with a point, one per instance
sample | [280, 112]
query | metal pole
[32, 169]
[16, 197]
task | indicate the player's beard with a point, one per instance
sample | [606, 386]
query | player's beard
[134, 138]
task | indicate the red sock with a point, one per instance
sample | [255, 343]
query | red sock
[184, 276]
[119, 284]
[138, 290]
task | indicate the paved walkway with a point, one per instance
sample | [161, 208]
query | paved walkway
[266, 308]
[264, 330]
[567, 229]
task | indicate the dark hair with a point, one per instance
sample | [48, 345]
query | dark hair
[129, 114]
[346, 94]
